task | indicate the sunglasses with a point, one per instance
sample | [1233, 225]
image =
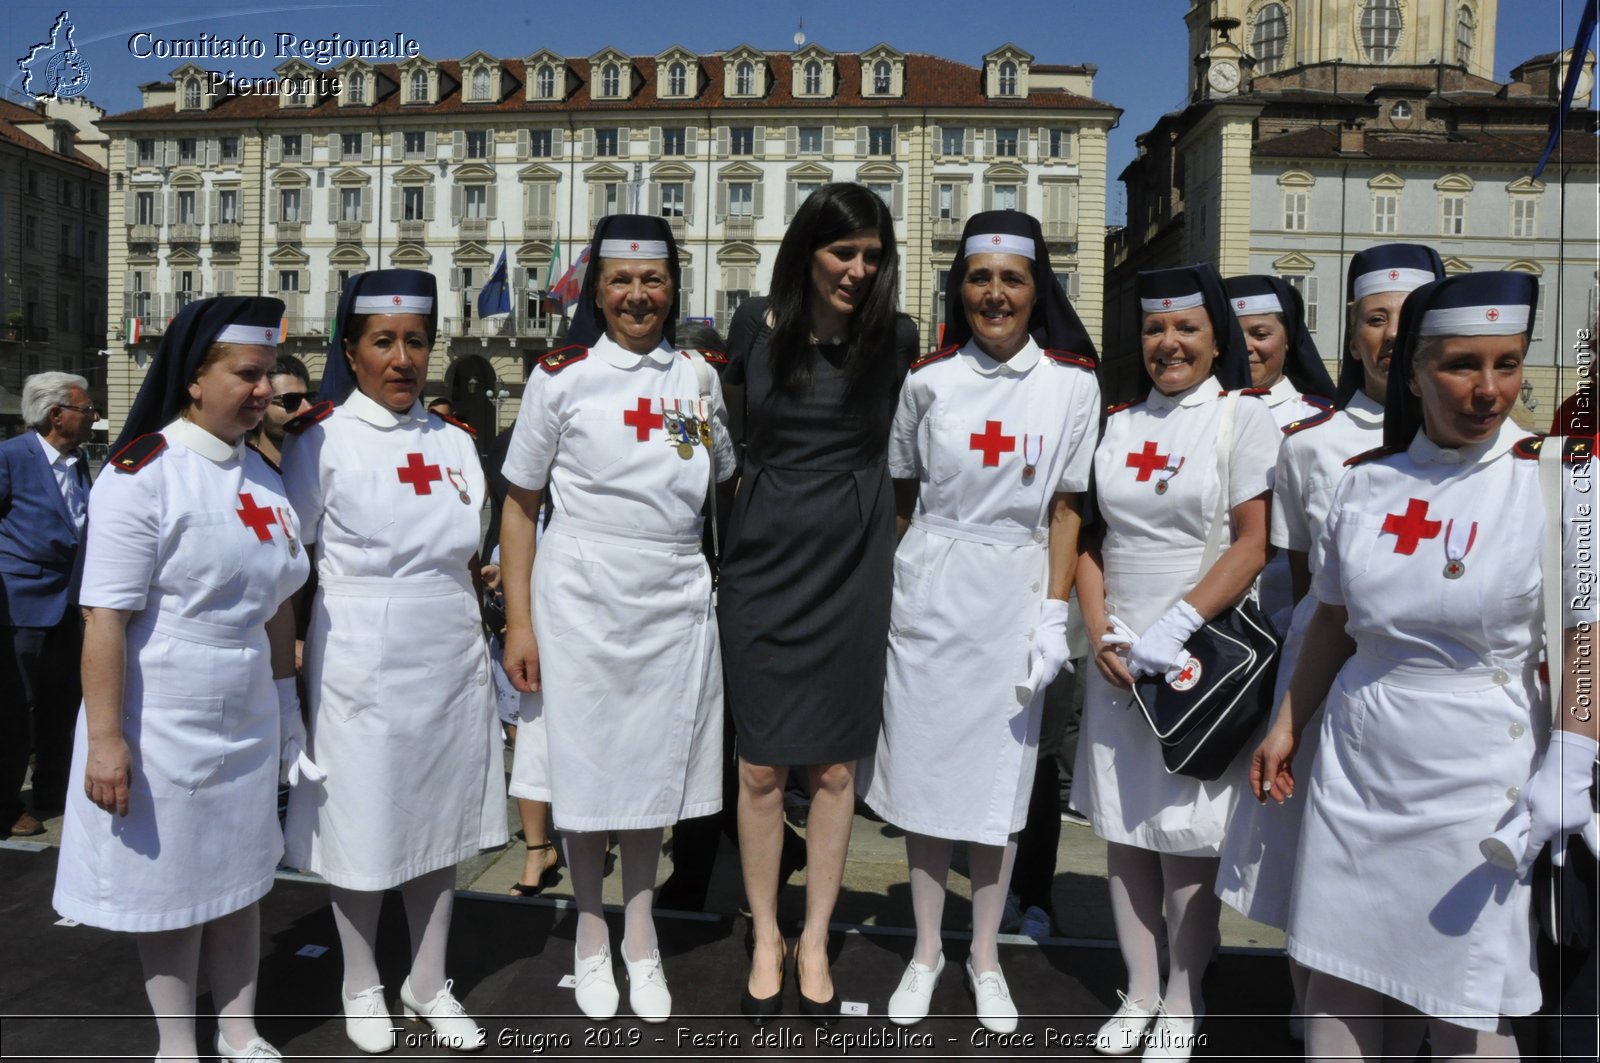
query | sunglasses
[291, 400]
[80, 409]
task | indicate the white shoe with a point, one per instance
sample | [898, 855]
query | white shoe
[994, 1006]
[452, 1026]
[1035, 923]
[367, 1022]
[1173, 1036]
[596, 987]
[910, 1001]
[647, 988]
[1120, 1034]
[257, 1051]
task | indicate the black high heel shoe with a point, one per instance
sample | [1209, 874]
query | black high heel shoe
[762, 1010]
[822, 1012]
[549, 878]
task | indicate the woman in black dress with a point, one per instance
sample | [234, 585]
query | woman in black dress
[808, 564]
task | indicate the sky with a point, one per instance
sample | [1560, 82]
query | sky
[1140, 48]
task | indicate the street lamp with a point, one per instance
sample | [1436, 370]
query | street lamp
[498, 396]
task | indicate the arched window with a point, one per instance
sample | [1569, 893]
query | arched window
[1270, 37]
[744, 78]
[191, 94]
[882, 77]
[1380, 29]
[610, 80]
[480, 84]
[546, 83]
[1008, 78]
[813, 78]
[678, 79]
[357, 89]
[1464, 35]
[419, 86]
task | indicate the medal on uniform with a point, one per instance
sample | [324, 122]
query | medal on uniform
[1166, 474]
[677, 426]
[288, 531]
[458, 480]
[1028, 464]
[705, 428]
[1455, 564]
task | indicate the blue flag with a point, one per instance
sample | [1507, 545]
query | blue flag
[495, 296]
[1580, 52]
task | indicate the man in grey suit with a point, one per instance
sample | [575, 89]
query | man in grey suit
[44, 502]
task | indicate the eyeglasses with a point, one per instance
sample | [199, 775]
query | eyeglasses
[291, 400]
[80, 409]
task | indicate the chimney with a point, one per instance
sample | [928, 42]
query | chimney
[1352, 139]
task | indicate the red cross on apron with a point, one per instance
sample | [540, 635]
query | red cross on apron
[418, 475]
[1147, 461]
[256, 518]
[992, 443]
[641, 420]
[1412, 527]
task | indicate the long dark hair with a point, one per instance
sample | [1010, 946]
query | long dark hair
[831, 212]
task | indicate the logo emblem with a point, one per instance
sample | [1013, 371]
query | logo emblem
[270, 334]
[634, 246]
[1394, 274]
[1165, 303]
[1240, 304]
[54, 68]
[1492, 314]
[1189, 676]
[995, 240]
[397, 300]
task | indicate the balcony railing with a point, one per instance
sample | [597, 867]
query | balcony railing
[519, 324]
[290, 232]
[347, 232]
[183, 232]
[538, 228]
[225, 232]
[474, 228]
[947, 228]
[415, 231]
[677, 224]
[144, 233]
[739, 227]
[1060, 230]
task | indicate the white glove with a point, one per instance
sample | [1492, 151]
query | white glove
[1049, 653]
[1159, 651]
[1554, 803]
[293, 762]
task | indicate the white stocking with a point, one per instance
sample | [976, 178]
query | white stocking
[929, 859]
[991, 878]
[1343, 1020]
[1134, 876]
[171, 960]
[586, 862]
[355, 914]
[232, 949]
[1452, 1042]
[641, 855]
[429, 899]
[1193, 908]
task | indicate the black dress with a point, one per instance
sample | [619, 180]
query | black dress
[808, 566]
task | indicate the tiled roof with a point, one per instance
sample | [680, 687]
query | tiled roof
[1462, 147]
[11, 114]
[930, 81]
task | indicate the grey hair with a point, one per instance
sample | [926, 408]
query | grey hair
[44, 390]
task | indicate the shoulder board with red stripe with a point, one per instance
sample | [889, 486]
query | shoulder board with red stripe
[562, 357]
[1318, 401]
[934, 356]
[320, 412]
[1068, 358]
[1373, 455]
[270, 463]
[1528, 447]
[1254, 391]
[139, 453]
[1312, 421]
[1579, 449]
[1119, 407]
[467, 428]
[714, 357]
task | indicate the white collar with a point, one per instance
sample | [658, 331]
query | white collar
[1020, 363]
[614, 354]
[51, 454]
[1281, 392]
[1363, 409]
[380, 416]
[202, 442]
[1425, 451]
[1197, 395]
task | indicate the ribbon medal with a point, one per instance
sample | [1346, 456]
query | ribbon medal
[288, 531]
[1455, 563]
[1030, 463]
[458, 480]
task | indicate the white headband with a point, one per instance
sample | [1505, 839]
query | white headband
[1172, 302]
[1250, 305]
[392, 304]
[1002, 243]
[1475, 321]
[637, 249]
[256, 335]
[1395, 279]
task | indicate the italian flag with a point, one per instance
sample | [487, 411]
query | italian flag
[133, 330]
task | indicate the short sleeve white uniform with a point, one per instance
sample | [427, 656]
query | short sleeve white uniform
[1429, 731]
[1258, 854]
[1288, 407]
[628, 653]
[202, 547]
[957, 749]
[1151, 550]
[403, 713]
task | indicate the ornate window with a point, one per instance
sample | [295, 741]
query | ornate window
[545, 83]
[744, 78]
[419, 86]
[678, 79]
[610, 80]
[357, 87]
[480, 84]
[1008, 78]
[883, 78]
[191, 94]
[1269, 38]
[1380, 29]
[813, 78]
[1464, 27]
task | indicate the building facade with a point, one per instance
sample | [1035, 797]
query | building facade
[1315, 130]
[439, 165]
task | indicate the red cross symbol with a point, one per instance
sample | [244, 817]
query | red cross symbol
[1492, 314]
[397, 300]
[1165, 303]
[1240, 304]
[995, 240]
[992, 443]
[1394, 274]
[1411, 528]
[1147, 461]
[641, 420]
[270, 334]
[1187, 674]
[418, 475]
[255, 517]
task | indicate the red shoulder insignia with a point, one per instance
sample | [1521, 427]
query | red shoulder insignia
[1318, 401]
[467, 428]
[562, 357]
[1373, 455]
[1528, 447]
[270, 463]
[934, 356]
[1310, 421]
[1578, 450]
[1068, 358]
[139, 453]
[1119, 407]
[1254, 391]
[320, 412]
[714, 357]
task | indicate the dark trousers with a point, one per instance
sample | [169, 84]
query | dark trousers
[40, 693]
[1037, 844]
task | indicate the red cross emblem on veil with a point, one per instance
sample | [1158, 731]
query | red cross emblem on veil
[1166, 303]
[396, 300]
[1492, 314]
[1394, 274]
[994, 240]
[634, 246]
[1240, 304]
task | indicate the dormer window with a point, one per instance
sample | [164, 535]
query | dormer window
[480, 84]
[419, 86]
[813, 78]
[744, 78]
[678, 79]
[882, 77]
[1400, 113]
[357, 87]
[610, 80]
[1008, 78]
[191, 95]
[545, 83]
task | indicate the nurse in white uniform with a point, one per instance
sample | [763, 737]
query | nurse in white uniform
[192, 556]
[1438, 730]
[994, 438]
[1158, 485]
[1258, 854]
[614, 624]
[403, 714]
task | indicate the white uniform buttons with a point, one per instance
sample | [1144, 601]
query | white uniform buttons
[1516, 730]
[1513, 792]
[1036, 586]
[1500, 677]
[482, 678]
[1038, 536]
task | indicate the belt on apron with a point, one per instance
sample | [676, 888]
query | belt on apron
[1155, 559]
[1444, 678]
[187, 629]
[395, 586]
[685, 541]
[993, 534]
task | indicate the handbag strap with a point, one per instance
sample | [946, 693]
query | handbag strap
[702, 375]
[1550, 491]
[1224, 448]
